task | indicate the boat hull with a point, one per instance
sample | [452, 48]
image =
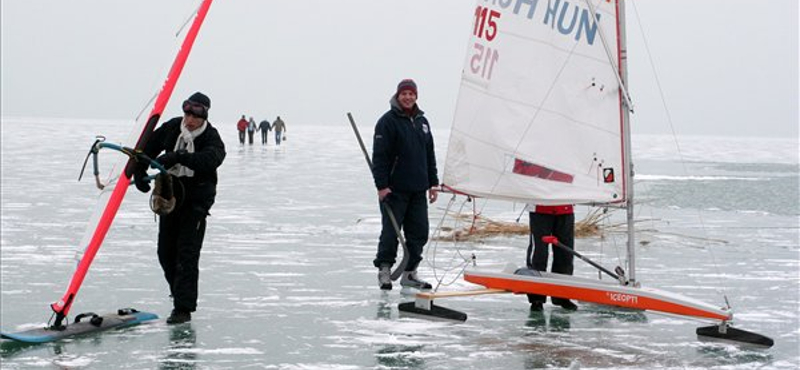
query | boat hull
[597, 291]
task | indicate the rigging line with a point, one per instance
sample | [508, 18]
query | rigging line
[188, 19]
[156, 84]
[156, 89]
[431, 261]
[677, 144]
[522, 212]
[607, 221]
[457, 252]
[643, 204]
[146, 105]
[611, 60]
[463, 266]
[466, 260]
[177, 34]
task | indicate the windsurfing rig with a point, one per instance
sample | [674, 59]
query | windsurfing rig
[62, 306]
[135, 155]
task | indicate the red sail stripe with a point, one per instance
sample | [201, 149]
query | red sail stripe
[62, 306]
[534, 170]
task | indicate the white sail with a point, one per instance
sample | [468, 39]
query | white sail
[539, 115]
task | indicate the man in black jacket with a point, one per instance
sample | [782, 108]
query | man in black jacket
[404, 169]
[192, 150]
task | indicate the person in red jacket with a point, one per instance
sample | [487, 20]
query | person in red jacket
[242, 127]
[558, 221]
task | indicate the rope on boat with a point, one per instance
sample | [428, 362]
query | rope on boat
[451, 265]
[681, 157]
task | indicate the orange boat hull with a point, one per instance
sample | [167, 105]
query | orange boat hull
[600, 292]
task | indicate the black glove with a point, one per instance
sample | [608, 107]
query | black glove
[141, 182]
[170, 159]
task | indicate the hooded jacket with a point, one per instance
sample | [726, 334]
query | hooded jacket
[403, 158]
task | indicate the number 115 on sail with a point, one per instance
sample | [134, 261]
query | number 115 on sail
[484, 57]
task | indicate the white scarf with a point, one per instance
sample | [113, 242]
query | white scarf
[186, 141]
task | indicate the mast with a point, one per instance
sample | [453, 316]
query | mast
[626, 137]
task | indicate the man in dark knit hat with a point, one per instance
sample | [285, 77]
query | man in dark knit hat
[404, 170]
[192, 151]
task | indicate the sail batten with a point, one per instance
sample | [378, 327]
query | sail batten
[538, 113]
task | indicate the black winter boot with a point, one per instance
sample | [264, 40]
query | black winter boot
[179, 317]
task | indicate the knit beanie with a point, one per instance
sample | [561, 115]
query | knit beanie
[407, 84]
[200, 98]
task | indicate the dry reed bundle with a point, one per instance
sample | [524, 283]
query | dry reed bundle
[479, 227]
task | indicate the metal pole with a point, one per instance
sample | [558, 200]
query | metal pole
[626, 134]
[554, 241]
[386, 208]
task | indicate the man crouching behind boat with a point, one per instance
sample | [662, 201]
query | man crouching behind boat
[404, 168]
[192, 150]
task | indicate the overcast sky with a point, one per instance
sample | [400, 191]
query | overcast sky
[726, 67]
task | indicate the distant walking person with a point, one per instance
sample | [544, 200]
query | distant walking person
[251, 129]
[264, 127]
[404, 169]
[192, 150]
[279, 127]
[242, 127]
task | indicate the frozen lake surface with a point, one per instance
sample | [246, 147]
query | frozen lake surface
[287, 281]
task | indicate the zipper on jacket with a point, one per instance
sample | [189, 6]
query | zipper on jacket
[394, 165]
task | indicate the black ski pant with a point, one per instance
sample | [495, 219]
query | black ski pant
[264, 137]
[180, 238]
[560, 226]
[250, 136]
[410, 209]
[241, 137]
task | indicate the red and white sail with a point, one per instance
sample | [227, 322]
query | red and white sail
[539, 115]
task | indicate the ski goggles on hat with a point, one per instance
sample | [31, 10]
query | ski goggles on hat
[195, 109]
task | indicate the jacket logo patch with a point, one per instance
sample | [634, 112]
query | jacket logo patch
[425, 128]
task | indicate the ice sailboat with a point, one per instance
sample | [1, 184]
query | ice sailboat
[103, 216]
[543, 117]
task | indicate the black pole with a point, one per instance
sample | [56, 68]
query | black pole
[404, 262]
